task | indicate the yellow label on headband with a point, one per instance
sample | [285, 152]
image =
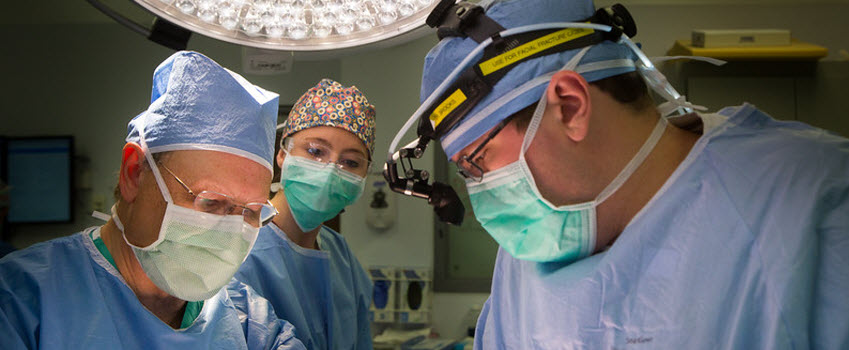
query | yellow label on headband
[535, 46]
[444, 108]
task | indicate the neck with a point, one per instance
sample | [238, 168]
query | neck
[615, 213]
[286, 222]
[167, 308]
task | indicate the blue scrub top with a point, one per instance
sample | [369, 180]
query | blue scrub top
[6, 248]
[63, 294]
[746, 246]
[324, 293]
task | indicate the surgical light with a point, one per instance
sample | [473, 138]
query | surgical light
[294, 25]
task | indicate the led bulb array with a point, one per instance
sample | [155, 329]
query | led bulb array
[298, 19]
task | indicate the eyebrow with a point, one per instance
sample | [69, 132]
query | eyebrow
[318, 139]
[462, 154]
[206, 185]
[327, 143]
[481, 148]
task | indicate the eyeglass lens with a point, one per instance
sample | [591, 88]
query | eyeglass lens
[350, 161]
[220, 204]
[256, 214]
[467, 167]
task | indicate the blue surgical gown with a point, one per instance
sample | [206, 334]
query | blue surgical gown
[63, 294]
[324, 293]
[746, 246]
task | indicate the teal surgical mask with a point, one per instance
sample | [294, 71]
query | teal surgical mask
[317, 191]
[511, 209]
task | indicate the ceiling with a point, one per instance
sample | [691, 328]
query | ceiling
[70, 12]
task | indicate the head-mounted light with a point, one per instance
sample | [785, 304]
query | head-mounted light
[469, 83]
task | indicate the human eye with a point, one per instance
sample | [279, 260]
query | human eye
[351, 163]
[251, 215]
[258, 213]
[463, 163]
[480, 159]
[316, 151]
[209, 205]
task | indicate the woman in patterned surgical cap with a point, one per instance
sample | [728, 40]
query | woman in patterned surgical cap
[304, 268]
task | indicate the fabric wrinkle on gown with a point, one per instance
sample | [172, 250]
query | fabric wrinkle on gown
[746, 246]
[324, 293]
[63, 294]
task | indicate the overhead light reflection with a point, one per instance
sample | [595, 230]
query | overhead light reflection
[295, 25]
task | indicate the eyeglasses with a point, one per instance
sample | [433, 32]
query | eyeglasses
[467, 167]
[350, 161]
[256, 214]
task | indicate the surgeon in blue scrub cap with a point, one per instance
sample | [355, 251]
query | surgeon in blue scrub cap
[619, 227]
[191, 197]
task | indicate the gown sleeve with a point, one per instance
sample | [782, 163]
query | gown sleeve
[263, 330]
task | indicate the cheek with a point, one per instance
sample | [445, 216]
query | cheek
[547, 179]
[504, 158]
[506, 149]
[547, 166]
[147, 212]
[146, 219]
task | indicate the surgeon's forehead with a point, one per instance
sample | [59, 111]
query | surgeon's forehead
[230, 174]
[472, 146]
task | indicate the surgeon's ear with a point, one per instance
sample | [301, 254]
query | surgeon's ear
[568, 99]
[131, 167]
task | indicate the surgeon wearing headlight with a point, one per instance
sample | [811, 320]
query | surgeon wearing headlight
[306, 269]
[619, 227]
[191, 198]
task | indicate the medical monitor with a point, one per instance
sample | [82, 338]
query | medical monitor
[39, 173]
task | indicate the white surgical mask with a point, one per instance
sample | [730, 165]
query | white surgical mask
[196, 253]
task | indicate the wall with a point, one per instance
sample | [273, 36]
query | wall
[819, 22]
[89, 80]
[390, 78]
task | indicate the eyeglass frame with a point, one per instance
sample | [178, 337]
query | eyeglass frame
[244, 207]
[290, 139]
[469, 158]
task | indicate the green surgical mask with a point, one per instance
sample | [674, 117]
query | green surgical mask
[511, 209]
[316, 191]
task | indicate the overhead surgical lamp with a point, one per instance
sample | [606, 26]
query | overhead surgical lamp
[286, 25]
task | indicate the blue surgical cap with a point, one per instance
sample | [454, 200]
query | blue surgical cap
[198, 105]
[449, 52]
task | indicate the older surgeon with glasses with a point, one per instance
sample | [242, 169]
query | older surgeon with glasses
[304, 268]
[191, 200]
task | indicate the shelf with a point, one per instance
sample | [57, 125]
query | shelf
[796, 51]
